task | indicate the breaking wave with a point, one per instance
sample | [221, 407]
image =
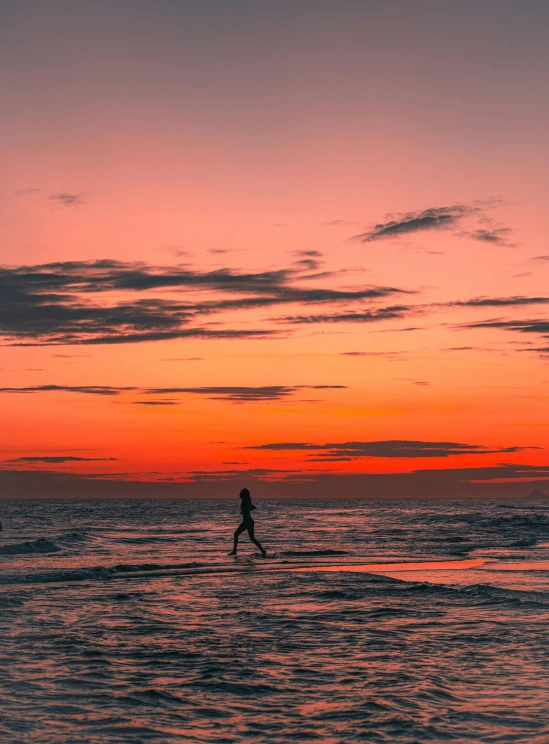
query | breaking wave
[41, 545]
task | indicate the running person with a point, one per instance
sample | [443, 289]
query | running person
[246, 507]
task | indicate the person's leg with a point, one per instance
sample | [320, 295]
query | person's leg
[239, 530]
[253, 538]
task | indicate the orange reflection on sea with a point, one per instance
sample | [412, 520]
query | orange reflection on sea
[406, 566]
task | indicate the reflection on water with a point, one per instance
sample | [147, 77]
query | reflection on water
[390, 568]
[127, 622]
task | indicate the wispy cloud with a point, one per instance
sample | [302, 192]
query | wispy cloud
[27, 192]
[435, 218]
[68, 199]
[393, 356]
[521, 326]
[240, 394]
[182, 359]
[515, 301]
[81, 389]
[57, 459]
[442, 218]
[393, 312]
[384, 449]
[244, 394]
[308, 260]
[495, 235]
[541, 351]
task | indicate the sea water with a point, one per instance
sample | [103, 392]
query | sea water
[410, 621]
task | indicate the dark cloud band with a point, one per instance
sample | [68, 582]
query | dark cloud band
[385, 449]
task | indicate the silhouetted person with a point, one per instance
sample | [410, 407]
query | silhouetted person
[246, 507]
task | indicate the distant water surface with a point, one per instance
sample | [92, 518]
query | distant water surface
[125, 621]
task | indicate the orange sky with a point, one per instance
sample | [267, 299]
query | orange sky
[236, 166]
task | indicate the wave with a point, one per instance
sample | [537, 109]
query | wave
[41, 545]
[45, 544]
[99, 572]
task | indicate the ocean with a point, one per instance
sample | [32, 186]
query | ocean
[374, 621]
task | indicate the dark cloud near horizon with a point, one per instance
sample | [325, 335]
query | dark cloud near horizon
[386, 449]
[56, 459]
[82, 389]
[499, 481]
[244, 394]
[393, 356]
[240, 394]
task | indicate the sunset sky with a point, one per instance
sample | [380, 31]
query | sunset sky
[282, 243]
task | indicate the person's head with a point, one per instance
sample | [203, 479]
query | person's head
[245, 494]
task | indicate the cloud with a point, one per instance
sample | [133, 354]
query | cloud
[155, 403]
[394, 312]
[72, 302]
[81, 389]
[68, 199]
[308, 260]
[244, 394]
[133, 338]
[495, 235]
[442, 218]
[436, 218]
[541, 259]
[385, 449]
[500, 302]
[521, 326]
[176, 250]
[109, 302]
[27, 192]
[541, 351]
[467, 348]
[56, 459]
[392, 356]
[241, 394]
